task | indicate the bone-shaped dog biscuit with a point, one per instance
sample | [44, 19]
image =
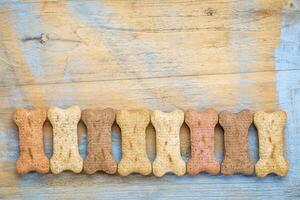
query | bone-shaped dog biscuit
[133, 124]
[99, 158]
[270, 128]
[32, 156]
[202, 126]
[236, 158]
[65, 141]
[168, 157]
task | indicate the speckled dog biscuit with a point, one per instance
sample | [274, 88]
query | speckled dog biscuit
[236, 157]
[32, 156]
[99, 158]
[168, 158]
[202, 126]
[65, 145]
[270, 128]
[133, 124]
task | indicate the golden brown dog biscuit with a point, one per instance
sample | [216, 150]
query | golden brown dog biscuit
[236, 159]
[133, 124]
[270, 128]
[99, 158]
[65, 141]
[168, 157]
[32, 156]
[202, 127]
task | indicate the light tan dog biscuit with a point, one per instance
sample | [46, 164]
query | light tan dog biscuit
[65, 141]
[168, 157]
[270, 128]
[32, 156]
[133, 124]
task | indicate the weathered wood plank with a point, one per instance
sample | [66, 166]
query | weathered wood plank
[128, 40]
[10, 148]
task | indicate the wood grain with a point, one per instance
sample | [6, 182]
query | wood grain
[155, 54]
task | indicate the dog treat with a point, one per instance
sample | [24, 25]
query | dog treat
[236, 157]
[65, 141]
[133, 124]
[168, 157]
[99, 158]
[32, 156]
[202, 125]
[270, 128]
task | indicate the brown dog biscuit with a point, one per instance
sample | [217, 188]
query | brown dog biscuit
[65, 141]
[133, 124]
[202, 126]
[32, 156]
[236, 157]
[99, 158]
[168, 157]
[270, 128]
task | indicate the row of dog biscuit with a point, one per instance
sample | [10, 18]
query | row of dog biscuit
[133, 125]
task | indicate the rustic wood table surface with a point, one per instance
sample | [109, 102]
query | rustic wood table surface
[162, 54]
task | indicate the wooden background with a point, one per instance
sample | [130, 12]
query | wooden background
[158, 54]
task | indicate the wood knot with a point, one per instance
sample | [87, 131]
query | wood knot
[44, 38]
[210, 12]
[292, 5]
